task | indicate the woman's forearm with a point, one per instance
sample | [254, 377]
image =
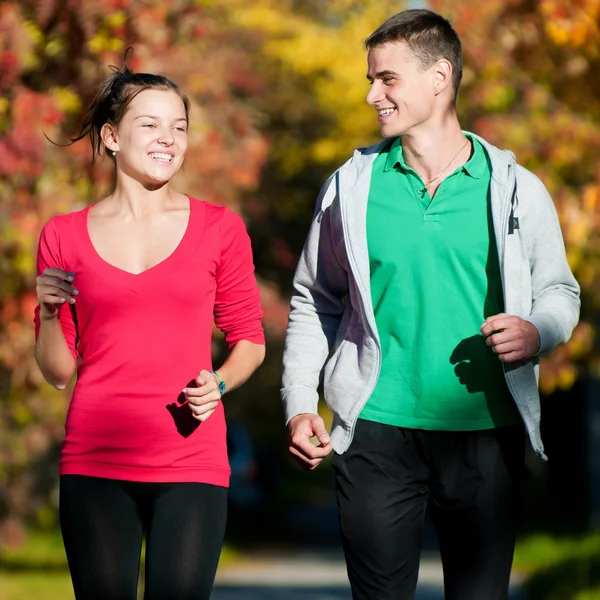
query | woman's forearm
[243, 360]
[53, 355]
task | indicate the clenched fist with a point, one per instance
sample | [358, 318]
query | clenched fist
[511, 338]
[203, 399]
[54, 287]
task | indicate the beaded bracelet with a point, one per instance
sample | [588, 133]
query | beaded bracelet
[222, 385]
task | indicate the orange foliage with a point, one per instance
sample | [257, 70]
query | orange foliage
[530, 86]
[51, 62]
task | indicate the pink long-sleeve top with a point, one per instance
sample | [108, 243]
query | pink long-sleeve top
[141, 339]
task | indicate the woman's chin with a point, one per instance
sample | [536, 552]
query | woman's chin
[150, 180]
[155, 183]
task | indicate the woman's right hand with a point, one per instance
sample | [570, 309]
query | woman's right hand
[54, 287]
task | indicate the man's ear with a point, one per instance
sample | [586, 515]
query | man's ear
[108, 133]
[442, 75]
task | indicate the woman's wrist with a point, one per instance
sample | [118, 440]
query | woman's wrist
[45, 315]
[220, 382]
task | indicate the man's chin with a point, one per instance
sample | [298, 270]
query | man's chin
[390, 130]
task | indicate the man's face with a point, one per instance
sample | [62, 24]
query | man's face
[401, 92]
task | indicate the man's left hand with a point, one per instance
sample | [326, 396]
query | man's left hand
[511, 337]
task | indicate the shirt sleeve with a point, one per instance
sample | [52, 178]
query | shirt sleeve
[49, 257]
[238, 310]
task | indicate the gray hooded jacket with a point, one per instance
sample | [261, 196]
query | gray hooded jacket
[332, 323]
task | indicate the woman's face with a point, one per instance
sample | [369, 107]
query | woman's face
[151, 139]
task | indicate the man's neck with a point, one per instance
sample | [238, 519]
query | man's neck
[429, 149]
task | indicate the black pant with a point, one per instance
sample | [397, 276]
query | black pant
[103, 521]
[470, 480]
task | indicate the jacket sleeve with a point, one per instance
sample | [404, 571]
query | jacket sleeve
[320, 287]
[555, 292]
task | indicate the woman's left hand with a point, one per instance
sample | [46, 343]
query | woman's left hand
[204, 399]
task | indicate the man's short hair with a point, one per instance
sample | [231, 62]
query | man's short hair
[429, 36]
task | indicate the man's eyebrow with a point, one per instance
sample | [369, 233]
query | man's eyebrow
[382, 74]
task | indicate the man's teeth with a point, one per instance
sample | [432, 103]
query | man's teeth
[161, 156]
[385, 112]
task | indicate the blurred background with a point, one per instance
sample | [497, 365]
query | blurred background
[277, 90]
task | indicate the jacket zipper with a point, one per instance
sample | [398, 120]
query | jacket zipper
[505, 222]
[358, 281]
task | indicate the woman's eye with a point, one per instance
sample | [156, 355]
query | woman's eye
[150, 125]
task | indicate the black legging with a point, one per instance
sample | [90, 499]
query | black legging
[103, 521]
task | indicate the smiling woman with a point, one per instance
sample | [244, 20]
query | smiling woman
[128, 289]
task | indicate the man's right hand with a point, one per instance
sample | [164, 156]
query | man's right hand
[301, 429]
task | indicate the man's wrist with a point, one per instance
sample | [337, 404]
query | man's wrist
[302, 414]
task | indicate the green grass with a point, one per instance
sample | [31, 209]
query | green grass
[560, 568]
[36, 570]
[542, 550]
[593, 594]
[39, 569]
[41, 586]
[43, 550]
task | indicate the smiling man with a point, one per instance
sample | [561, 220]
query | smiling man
[433, 277]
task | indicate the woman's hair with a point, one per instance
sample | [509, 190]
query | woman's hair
[113, 99]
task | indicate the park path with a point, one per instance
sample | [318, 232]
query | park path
[312, 576]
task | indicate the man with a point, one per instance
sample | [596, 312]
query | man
[433, 277]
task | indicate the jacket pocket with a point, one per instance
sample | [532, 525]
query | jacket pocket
[341, 385]
[512, 275]
[522, 383]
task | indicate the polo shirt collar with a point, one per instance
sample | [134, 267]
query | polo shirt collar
[474, 167]
[396, 157]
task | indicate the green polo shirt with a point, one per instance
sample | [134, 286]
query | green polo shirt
[435, 278]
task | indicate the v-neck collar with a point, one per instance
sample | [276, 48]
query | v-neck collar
[137, 283]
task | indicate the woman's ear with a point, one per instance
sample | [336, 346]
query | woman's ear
[108, 133]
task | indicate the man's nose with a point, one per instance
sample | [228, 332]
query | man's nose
[375, 94]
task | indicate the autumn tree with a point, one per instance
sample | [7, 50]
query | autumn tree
[282, 75]
[530, 86]
[53, 55]
[314, 65]
[277, 90]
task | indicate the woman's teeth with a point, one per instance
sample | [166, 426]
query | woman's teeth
[161, 156]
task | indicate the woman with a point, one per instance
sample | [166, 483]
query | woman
[129, 287]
